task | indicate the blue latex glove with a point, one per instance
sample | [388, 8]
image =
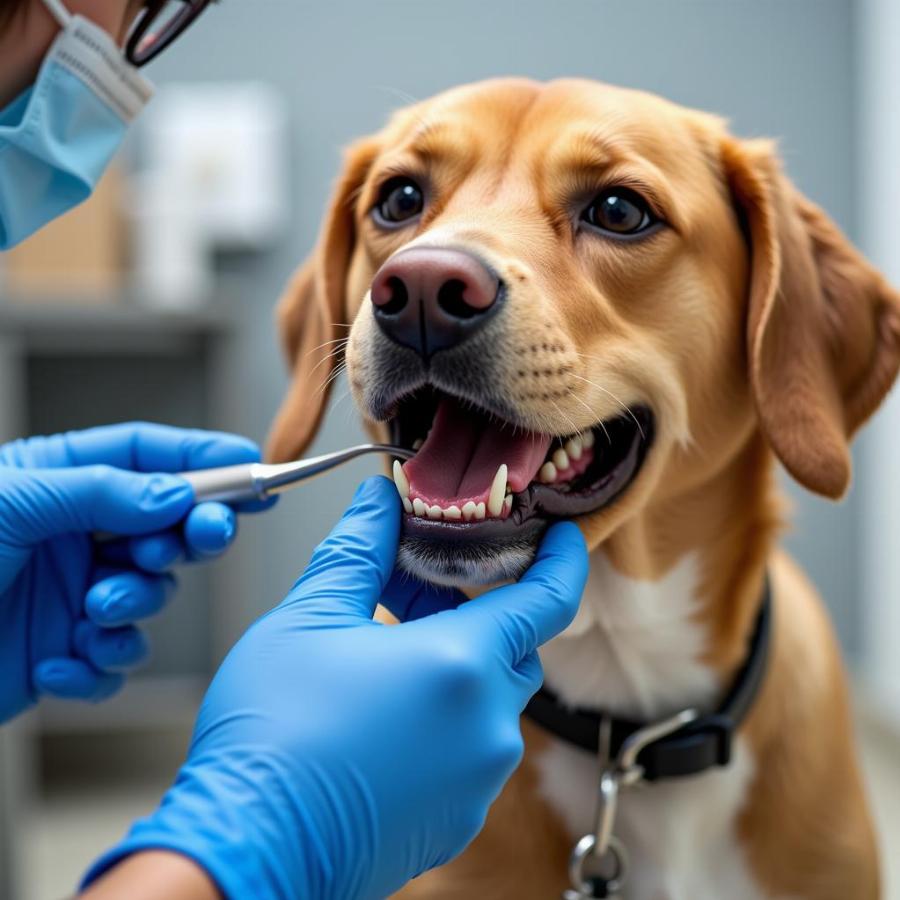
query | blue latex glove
[67, 606]
[335, 757]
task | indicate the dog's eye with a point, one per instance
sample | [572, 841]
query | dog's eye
[619, 211]
[399, 200]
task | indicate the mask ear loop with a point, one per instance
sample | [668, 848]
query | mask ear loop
[59, 12]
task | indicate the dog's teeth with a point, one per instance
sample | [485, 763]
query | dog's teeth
[548, 473]
[587, 439]
[434, 512]
[498, 491]
[401, 480]
[407, 505]
[417, 443]
[574, 448]
[480, 510]
[507, 503]
[468, 510]
[418, 507]
[561, 459]
[453, 512]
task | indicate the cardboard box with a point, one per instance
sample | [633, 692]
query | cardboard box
[79, 257]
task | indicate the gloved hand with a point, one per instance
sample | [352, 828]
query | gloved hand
[67, 605]
[335, 757]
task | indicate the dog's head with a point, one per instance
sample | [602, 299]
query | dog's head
[581, 299]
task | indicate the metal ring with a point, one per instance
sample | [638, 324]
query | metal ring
[584, 849]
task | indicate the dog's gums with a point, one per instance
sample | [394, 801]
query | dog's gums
[480, 487]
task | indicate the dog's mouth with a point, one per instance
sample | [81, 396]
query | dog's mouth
[482, 484]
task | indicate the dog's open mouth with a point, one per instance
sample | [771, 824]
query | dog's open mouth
[481, 484]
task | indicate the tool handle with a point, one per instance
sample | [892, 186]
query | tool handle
[227, 484]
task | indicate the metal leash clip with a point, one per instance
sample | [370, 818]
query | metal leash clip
[598, 865]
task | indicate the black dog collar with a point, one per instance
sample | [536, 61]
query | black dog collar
[703, 743]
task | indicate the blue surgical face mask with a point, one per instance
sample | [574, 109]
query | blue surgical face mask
[57, 137]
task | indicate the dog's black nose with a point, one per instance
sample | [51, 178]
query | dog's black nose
[431, 299]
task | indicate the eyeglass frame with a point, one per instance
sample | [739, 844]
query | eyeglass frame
[177, 27]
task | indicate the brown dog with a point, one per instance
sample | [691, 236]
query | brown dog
[590, 302]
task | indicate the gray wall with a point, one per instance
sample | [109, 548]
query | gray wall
[781, 68]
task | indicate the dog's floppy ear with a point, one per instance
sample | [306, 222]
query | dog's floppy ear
[311, 314]
[823, 327]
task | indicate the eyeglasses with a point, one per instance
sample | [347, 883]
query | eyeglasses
[159, 24]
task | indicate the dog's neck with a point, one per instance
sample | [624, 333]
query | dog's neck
[672, 598]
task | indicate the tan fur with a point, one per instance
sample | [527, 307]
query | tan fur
[750, 326]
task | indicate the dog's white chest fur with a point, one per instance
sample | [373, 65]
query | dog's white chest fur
[633, 649]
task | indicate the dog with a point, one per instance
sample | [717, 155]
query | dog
[581, 301]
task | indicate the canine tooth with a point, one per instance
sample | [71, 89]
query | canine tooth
[561, 459]
[574, 448]
[417, 443]
[453, 512]
[498, 491]
[401, 480]
[480, 511]
[587, 439]
[548, 473]
[407, 505]
[468, 510]
[434, 512]
[418, 507]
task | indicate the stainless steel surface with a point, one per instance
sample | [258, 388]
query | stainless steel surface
[257, 481]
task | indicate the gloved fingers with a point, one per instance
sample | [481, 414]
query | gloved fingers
[408, 599]
[122, 598]
[149, 447]
[350, 568]
[530, 676]
[110, 649]
[155, 553]
[37, 504]
[75, 679]
[209, 530]
[543, 602]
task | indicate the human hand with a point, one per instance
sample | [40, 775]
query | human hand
[335, 757]
[68, 604]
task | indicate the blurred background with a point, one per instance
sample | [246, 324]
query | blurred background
[155, 301]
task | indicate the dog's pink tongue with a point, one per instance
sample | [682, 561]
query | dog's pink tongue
[462, 453]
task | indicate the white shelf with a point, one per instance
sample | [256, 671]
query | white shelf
[110, 326]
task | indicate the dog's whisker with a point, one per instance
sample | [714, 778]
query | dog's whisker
[342, 340]
[574, 429]
[399, 93]
[331, 353]
[338, 371]
[348, 410]
[602, 425]
[624, 406]
[330, 356]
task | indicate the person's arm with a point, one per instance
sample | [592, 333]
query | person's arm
[154, 875]
[335, 758]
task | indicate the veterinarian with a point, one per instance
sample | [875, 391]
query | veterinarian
[332, 756]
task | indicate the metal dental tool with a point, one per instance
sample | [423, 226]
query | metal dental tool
[257, 481]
